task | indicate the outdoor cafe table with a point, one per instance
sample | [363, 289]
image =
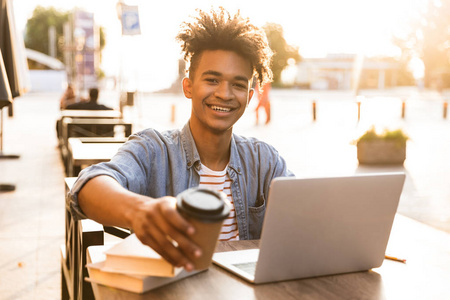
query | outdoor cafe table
[426, 275]
[88, 151]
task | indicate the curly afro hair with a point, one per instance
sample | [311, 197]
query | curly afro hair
[218, 30]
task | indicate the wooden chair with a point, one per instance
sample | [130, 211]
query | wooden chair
[83, 114]
[86, 127]
[78, 236]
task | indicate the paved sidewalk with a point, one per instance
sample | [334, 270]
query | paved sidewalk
[32, 217]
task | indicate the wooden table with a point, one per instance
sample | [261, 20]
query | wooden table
[426, 275]
[88, 151]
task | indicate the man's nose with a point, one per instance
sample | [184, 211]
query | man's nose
[224, 91]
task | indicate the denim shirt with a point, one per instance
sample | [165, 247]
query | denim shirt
[158, 164]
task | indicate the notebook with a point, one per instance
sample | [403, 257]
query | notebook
[320, 226]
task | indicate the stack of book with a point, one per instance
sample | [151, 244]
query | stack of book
[132, 266]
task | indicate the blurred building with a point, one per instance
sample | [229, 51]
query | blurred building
[82, 50]
[46, 73]
[336, 71]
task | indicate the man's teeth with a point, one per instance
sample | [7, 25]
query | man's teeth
[218, 108]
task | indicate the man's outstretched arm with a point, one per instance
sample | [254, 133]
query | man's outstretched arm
[155, 222]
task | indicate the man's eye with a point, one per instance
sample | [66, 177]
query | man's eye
[240, 85]
[212, 80]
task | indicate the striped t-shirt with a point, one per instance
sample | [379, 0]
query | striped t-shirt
[219, 181]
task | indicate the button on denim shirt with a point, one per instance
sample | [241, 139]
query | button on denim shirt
[158, 164]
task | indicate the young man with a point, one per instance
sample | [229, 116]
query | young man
[137, 188]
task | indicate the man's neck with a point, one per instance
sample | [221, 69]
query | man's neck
[214, 149]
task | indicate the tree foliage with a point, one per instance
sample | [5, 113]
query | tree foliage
[36, 33]
[282, 51]
[429, 38]
[405, 76]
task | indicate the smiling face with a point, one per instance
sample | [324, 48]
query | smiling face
[220, 91]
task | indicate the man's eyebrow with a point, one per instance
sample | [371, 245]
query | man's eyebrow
[215, 73]
[211, 72]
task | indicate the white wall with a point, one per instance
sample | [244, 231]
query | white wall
[48, 80]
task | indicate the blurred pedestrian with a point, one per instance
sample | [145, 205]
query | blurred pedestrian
[67, 98]
[264, 101]
[91, 103]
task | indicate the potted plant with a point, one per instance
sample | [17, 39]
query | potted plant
[388, 147]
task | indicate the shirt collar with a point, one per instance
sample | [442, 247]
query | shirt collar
[234, 157]
[192, 156]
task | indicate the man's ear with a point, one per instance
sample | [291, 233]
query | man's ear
[250, 95]
[187, 87]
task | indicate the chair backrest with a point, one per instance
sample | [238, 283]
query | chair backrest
[79, 235]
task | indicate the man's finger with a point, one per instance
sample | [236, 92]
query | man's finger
[172, 216]
[161, 244]
[186, 246]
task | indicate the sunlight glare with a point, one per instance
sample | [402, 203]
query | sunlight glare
[318, 28]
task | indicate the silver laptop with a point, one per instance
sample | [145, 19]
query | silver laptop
[320, 226]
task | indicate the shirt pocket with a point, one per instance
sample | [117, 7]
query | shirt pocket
[256, 217]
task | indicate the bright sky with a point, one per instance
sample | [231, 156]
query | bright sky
[318, 27]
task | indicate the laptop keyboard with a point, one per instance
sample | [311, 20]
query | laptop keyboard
[248, 267]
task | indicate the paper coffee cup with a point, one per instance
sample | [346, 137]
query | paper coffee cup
[206, 210]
